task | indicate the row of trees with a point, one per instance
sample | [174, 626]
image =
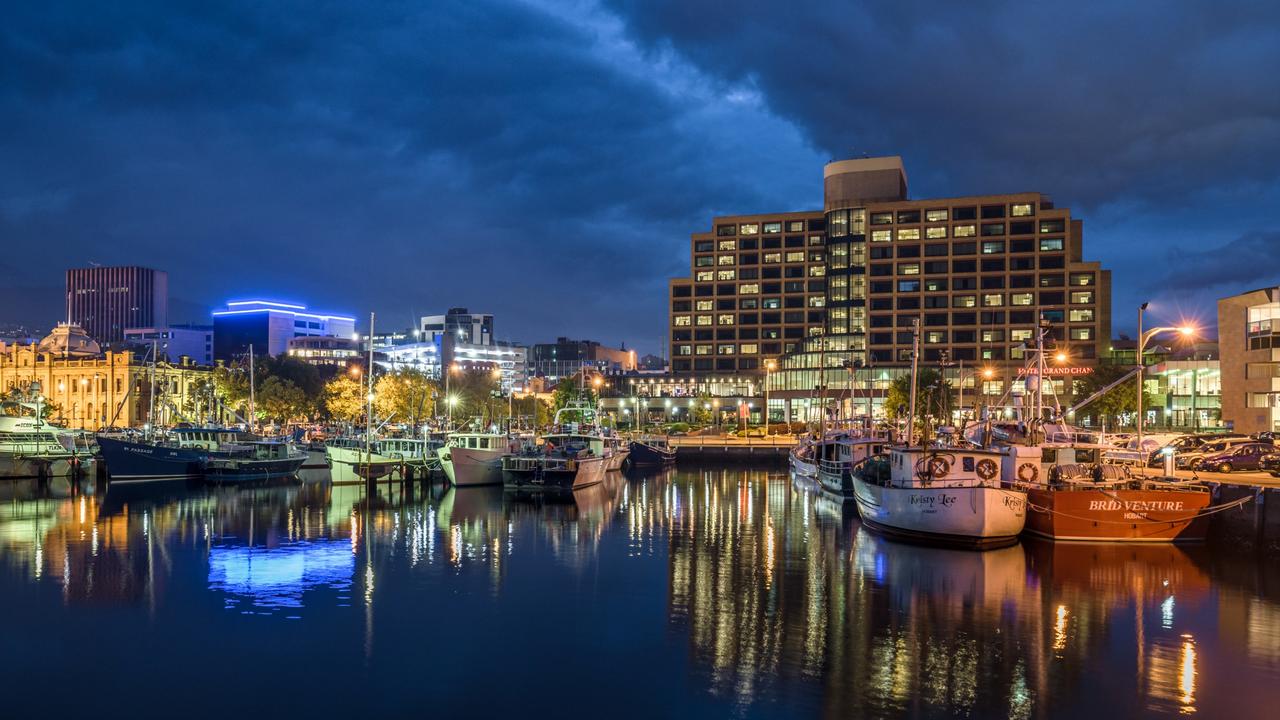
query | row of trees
[935, 396]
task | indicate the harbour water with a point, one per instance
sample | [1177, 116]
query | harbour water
[701, 592]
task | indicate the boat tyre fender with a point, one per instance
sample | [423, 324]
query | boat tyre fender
[986, 468]
[1028, 473]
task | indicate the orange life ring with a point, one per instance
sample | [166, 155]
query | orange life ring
[987, 468]
[1028, 472]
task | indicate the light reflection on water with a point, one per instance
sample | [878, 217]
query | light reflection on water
[720, 591]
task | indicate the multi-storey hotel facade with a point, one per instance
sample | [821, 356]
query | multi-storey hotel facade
[824, 302]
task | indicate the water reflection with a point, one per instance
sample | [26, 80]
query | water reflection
[775, 600]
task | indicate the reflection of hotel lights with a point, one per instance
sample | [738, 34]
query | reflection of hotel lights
[1166, 613]
[1060, 629]
[1187, 674]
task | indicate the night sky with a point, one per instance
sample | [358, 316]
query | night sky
[546, 161]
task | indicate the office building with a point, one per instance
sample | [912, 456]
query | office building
[176, 341]
[459, 324]
[565, 357]
[830, 296]
[107, 300]
[269, 325]
[324, 350]
[1249, 348]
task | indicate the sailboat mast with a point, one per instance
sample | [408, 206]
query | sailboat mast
[915, 364]
[151, 409]
[253, 415]
[368, 416]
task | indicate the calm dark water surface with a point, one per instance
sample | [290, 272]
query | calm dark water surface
[698, 593]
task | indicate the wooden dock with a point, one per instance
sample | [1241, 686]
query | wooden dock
[726, 448]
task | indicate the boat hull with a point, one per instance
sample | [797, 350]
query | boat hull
[617, 459]
[802, 466]
[472, 467]
[351, 465]
[1118, 515]
[971, 516]
[646, 455]
[235, 471]
[129, 462]
[836, 482]
[16, 466]
[555, 476]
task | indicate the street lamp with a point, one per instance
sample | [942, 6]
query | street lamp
[1185, 330]
[769, 366]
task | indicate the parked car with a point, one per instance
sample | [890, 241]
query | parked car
[1177, 446]
[1131, 454]
[1191, 460]
[1245, 456]
[1270, 463]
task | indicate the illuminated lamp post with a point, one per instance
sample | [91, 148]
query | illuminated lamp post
[1185, 330]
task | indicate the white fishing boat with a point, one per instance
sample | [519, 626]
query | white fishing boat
[351, 459]
[31, 447]
[838, 453]
[947, 495]
[801, 458]
[954, 496]
[470, 459]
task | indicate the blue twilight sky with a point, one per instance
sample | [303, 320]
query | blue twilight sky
[546, 161]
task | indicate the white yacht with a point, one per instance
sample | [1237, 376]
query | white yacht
[349, 461]
[30, 447]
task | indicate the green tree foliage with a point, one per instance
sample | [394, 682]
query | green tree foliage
[344, 398]
[278, 399]
[567, 391]
[933, 397]
[474, 388]
[405, 396]
[1118, 404]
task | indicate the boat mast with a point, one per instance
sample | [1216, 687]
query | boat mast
[368, 415]
[915, 364]
[151, 409]
[1040, 331]
[253, 416]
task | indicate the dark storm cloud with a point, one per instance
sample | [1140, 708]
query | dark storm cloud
[389, 155]
[1231, 267]
[1126, 112]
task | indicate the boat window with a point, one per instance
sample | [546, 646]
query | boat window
[968, 464]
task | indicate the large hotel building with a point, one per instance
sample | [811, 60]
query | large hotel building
[840, 288]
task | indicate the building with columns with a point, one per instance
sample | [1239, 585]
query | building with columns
[88, 389]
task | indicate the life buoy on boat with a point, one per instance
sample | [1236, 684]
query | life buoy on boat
[987, 468]
[1028, 472]
[938, 467]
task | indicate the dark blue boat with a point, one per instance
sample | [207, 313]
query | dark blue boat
[262, 460]
[129, 461]
[651, 451]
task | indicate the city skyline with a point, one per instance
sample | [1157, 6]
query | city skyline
[562, 156]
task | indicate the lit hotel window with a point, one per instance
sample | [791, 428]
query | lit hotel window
[1021, 210]
[909, 234]
[935, 337]
[964, 301]
[726, 260]
[773, 257]
[881, 236]
[704, 305]
[749, 349]
[725, 320]
[1082, 279]
[795, 257]
[725, 275]
[684, 349]
[772, 228]
[729, 245]
[1020, 299]
[795, 226]
[936, 232]
[816, 301]
[993, 300]
[1082, 333]
[1082, 297]
[705, 275]
[748, 289]
[704, 350]
[704, 319]
[936, 215]
[1050, 244]
[964, 231]
[1082, 315]
[727, 349]
[749, 229]
[1020, 335]
[993, 247]
[1052, 226]
[682, 320]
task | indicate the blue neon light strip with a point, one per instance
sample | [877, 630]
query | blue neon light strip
[221, 313]
[289, 306]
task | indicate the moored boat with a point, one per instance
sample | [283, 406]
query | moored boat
[943, 495]
[134, 461]
[254, 460]
[836, 456]
[649, 451]
[471, 459]
[801, 458]
[350, 460]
